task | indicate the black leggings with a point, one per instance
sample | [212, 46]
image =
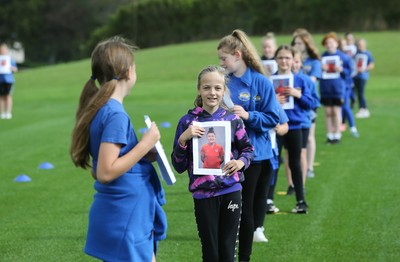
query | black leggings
[257, 178]
[292, 141]
[218, 221]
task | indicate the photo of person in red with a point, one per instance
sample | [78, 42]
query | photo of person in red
[212, 154]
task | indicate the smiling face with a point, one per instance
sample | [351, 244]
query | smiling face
[299, 44]
[211, 138]
[284, 59]
[211, 90]
[228, 61]
[297, 63]
[331, 45]
[269, 48]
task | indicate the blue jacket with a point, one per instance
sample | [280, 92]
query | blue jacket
[255, 93]
[315, 99]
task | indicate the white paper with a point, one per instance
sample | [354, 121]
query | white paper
[5, 64]
[162, 162]
[270, 67]
[361, 61]
[272, 134]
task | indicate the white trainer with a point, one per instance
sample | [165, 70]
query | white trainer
[259, 235]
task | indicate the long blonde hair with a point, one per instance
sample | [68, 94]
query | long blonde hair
[111, 60]
[239, 41]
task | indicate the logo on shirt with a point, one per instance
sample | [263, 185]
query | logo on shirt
[244, 96]
[233, 207]
[257, 98]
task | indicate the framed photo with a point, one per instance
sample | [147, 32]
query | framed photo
[163, 165]
[270, 66]
[5, 64]
[361, 61]
[212, 151]
[331, 62]
[280, 82]
[351, 50]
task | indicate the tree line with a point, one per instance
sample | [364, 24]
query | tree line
[53, 31]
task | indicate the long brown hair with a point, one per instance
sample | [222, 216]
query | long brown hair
[111, 60]
[239, 41]
[311, 50]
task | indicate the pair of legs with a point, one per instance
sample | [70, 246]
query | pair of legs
[359, 88]
[293, 142]
[5, 100]
[311, 148]
[218, 221]
[303, 158]
[347, 113]
[254, 195]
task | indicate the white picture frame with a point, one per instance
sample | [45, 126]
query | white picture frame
[281, 81]
[164, 167]
[361, 62]
[350, 50]
[331, 62]
[222, 130]
[5, 64]
[270, 67]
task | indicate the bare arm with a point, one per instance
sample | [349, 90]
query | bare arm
[110, 166]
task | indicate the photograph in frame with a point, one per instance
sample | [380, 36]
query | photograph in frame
[361, 61]
[280, 82]
[212, 151]
[270, 67]
[331, 62]
[5, 64]
[350, 50]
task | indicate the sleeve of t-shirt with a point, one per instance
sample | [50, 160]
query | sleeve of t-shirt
[115, 129]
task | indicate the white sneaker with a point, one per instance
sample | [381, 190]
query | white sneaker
[259, 235]
[3, 116]
[363, 113]
[8, 116]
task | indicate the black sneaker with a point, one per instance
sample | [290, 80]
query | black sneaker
[290, 191]
[301, 208]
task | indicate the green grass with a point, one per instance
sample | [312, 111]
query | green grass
[353, 199]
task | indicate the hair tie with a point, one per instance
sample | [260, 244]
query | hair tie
[93, 77]
[116, 78]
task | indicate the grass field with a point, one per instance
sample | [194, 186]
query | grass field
[354, 198]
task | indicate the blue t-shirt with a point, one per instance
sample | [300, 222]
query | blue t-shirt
[8, 78]
[364, 75]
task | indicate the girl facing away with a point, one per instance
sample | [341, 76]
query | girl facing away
[217, 198]
[126, 219]
[255, 103]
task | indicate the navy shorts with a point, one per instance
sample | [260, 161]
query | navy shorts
[332, 101]
[5, 89]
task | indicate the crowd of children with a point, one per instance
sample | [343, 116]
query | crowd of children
[266, 104]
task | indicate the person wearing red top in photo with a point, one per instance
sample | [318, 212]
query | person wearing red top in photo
[212, 154]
